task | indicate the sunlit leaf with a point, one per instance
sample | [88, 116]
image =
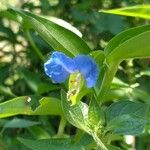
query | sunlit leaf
[141, 11]
[21, 105]
[131, 47]
[58, 37]
[65, 24]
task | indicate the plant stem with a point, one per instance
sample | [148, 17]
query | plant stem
[100, 144]
[35, 48]
[109, 74]
[78, 135]
[61, 126]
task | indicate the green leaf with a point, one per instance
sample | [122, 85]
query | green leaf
[126, 117]
[35, 83]
[46, 87]
[64, 24]
[124, 36]
[86, 139]
[127, 124]
[15, 106]
[38, 132]
[95, 114]
[126, 107]
[141, 11]
[20, 123]
[56, 36]
[75, 114]
[51, 144]
[118, 83]
[128, 44]
[21, 105]
[48, 106]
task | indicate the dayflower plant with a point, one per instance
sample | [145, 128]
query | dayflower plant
[60, 66]
[88, 109]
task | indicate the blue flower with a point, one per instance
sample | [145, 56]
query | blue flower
[60, 66]
[88, 68]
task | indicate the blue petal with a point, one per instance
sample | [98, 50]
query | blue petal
[88, 68]
[58, 67]
[55, 72]
[63, 60]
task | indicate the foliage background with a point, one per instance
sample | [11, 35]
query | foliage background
[21, 68]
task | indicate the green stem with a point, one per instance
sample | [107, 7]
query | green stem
[100, 144]
[109, 74]
[35, 48]
[78, 135]
[61, 126]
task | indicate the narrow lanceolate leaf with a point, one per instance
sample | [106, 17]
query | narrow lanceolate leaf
[20, 123]
[134, 44]
[21, 105]
[124, 36]
[126, 117]
[64, 24]
[56, 36]
[141, 11]
[51, 144]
